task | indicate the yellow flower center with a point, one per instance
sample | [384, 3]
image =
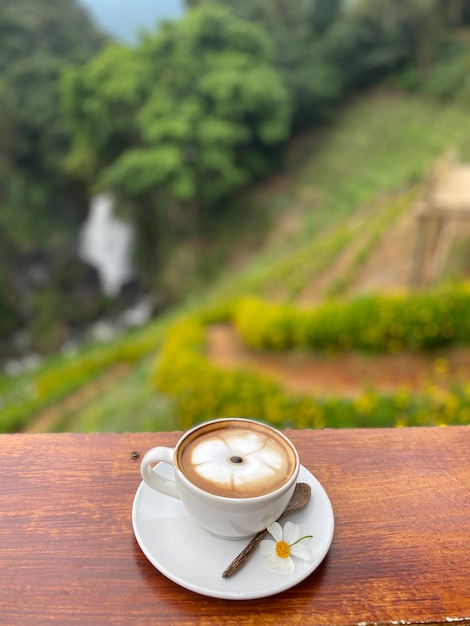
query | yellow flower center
[282, 549]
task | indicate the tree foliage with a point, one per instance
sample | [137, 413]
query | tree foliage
[39, 203]
[178, 124]
[373, 39]
[37, 40]
[100, 101]
[296, 28]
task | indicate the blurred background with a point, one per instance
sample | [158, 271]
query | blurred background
[234, 207]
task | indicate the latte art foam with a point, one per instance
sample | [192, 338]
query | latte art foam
[238, 461]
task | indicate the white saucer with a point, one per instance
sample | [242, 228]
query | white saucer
[195, 559]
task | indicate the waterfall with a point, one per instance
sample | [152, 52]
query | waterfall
[105, 242]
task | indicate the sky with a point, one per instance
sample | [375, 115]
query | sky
[123, 18]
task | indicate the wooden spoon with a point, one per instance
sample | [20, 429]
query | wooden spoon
[299, 499]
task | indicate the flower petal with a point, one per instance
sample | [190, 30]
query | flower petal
[267, 547]
[301, 551]
[291, 532]
[287, 566]
[274, 562]
[275, 530]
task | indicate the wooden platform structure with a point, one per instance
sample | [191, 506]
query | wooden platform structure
[446, 204]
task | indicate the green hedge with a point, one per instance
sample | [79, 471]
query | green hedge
[376, 323]
[203, 391]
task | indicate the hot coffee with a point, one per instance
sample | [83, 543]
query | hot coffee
[237, 458]
[234, 476]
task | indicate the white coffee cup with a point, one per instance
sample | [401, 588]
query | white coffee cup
[234, 476]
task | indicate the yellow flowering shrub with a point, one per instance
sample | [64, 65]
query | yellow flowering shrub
[380, 323]
[202, 391]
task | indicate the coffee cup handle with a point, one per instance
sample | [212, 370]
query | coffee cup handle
[159, 454]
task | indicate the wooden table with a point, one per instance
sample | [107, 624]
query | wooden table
[400, 553]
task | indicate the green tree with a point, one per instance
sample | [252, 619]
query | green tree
[101, 101]
[39, 204]
[324, 14]
[194, 115]
[375, 38]
[296, 28]
[37, 40]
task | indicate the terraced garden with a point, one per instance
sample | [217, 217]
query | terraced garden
[341, 221]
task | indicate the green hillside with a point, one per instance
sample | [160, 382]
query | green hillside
[344, 184]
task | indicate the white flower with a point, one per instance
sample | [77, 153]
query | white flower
[285, 545]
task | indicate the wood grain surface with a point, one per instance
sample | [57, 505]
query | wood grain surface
[400, 553]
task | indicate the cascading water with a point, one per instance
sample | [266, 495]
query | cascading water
[105, 242]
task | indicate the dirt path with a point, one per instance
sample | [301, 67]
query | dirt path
[389, 266]
[317, 289]
[346, 374]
